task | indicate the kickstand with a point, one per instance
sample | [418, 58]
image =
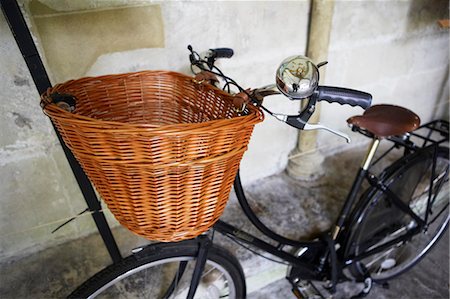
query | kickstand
[204, 245]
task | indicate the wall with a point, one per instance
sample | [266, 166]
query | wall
[37, 188]
[394, 50]
[88, 38]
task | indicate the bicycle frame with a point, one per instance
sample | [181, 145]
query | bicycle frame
[319, 248]
[310, 269]
[312, 261]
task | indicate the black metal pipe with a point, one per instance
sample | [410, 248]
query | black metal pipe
[233, 232]
[25, 42]
[394, 199]
[351, 197]
[255, 220]
[406, 237]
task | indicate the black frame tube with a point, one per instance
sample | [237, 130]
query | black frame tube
[176, 280]
[405, 237]
[242, 199]
[348, 204]
[430, 191]
[24, 40]
[235, 233]
[362, 175]
[394, 199]
[204, 245]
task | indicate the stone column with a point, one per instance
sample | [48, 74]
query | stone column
[305, 162]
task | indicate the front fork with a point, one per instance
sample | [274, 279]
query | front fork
[204, 245]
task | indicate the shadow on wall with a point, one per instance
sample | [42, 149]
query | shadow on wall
[424, 14]
[441, 110]
[70, 38]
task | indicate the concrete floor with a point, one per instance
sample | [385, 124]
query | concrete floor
[292, 208]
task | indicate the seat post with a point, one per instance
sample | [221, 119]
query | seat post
[370, 154]
[351, 197]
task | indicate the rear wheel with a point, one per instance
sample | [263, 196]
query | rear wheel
[165, 271]
[379, 221]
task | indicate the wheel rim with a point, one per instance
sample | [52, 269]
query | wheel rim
[153, 279]
[400, 257]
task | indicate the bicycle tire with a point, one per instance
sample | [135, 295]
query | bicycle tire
[376, 220]
[144, 274]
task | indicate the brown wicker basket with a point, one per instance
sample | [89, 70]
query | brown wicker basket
[161, 149]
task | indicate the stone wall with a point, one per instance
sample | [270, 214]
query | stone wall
[394, 50]
[88, 38]
[37, 187]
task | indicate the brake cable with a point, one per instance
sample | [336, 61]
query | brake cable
[197, 61]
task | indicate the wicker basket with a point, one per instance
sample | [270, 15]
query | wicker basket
[161, 149]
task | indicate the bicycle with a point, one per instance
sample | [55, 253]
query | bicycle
[377, 236]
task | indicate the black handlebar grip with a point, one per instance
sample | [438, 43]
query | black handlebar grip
[222, 52]
[344, 96]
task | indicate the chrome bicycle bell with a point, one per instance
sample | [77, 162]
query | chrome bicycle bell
[297, 77]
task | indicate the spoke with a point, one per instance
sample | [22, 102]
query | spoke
[439, 187]
[420, 204]
[401, 251]
[424, 188]
[379, 269]
[175, 289]
[221, 275]
[209, 271]
[216, 280]
[145, 280]
[388, 238]
[379, 257]
[443, 174]
[437, 216]
[227, 293]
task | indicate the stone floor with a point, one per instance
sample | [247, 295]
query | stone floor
[292, 208]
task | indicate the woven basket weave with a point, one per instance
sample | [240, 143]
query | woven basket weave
[161, 149]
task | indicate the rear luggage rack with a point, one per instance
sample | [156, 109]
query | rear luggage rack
[434, 132]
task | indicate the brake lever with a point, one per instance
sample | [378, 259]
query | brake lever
[296, 122]
[318, 126]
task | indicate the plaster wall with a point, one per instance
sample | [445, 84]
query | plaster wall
[394, 50]
[37, 188]
[38, 191]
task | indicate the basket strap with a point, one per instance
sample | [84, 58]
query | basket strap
[240, 101]
[206, 77]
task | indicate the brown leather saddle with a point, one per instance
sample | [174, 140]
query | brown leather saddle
[386, 120]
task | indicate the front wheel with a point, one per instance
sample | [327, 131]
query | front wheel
[164, 270]
[379, 221]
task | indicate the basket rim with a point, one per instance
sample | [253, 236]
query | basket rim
[193, 164]
[53, 111]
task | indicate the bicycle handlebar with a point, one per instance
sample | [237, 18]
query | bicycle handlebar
[221, 53]
[344, 96]
[330, 94]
